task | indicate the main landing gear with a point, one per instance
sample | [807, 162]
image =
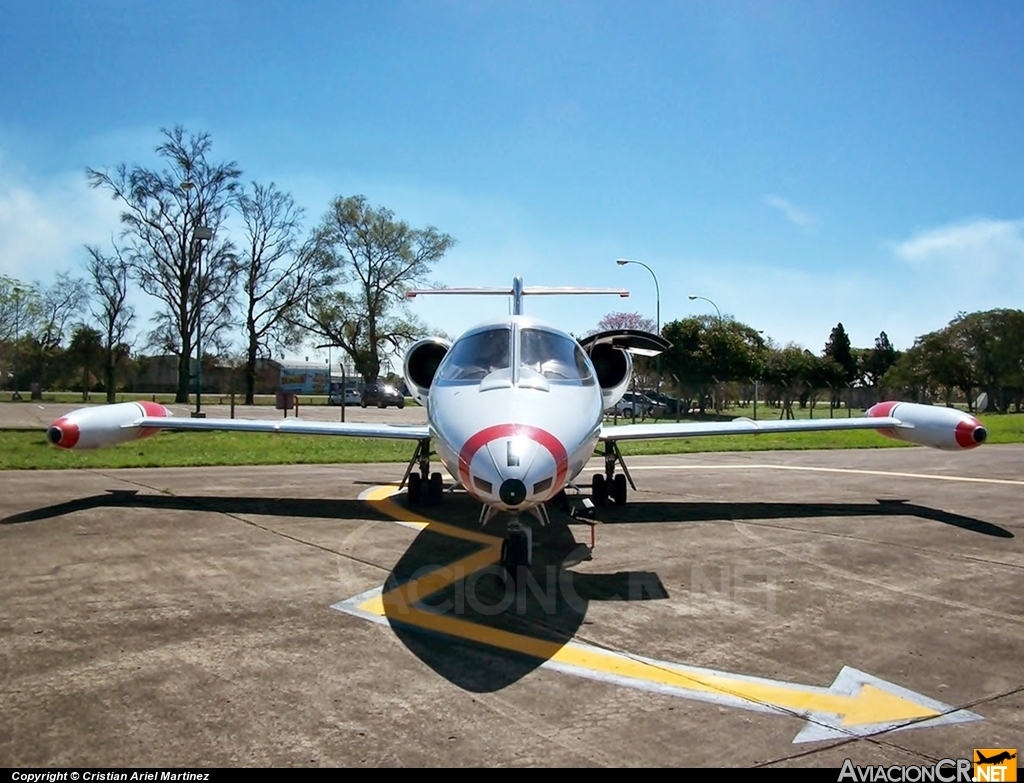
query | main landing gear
[612, 486]
[423, 486]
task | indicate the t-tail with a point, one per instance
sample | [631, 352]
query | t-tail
[518, 291]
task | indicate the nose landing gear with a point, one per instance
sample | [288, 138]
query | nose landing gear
[517, 548]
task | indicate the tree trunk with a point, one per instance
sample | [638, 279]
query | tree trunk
[184, 378]
[109, 372]
[250, 373]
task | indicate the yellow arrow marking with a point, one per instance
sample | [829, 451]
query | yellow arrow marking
[870, 705]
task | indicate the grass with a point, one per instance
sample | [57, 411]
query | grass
[73, 398]
[29, 450]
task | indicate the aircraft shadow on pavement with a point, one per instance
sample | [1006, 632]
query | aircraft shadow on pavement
[322, 508]
[515, 624]
[518, 625]
[643, 511]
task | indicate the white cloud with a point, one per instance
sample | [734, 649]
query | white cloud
[790, 211]
[980, 247]
[44, 225]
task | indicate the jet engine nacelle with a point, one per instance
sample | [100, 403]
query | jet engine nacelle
[610, 353]
[931, 425]
[104, 425]
[421, 363]
[614, 369]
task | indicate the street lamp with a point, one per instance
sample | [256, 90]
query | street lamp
[694, 296]
[657, 290]
[17, 330]
[657, 309]
[199, 235]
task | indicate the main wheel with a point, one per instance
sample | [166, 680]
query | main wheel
[401, 405]
[381, 404]
[415, 488]
[619, 489]
[362, 403]
[435, 491]
[599, 490]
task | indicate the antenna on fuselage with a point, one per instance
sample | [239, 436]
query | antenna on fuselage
[518, 291]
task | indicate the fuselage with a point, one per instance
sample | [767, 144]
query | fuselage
[515, 411]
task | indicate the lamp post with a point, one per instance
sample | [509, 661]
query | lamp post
[344, 378]
[693, 297]
[657, 310]
[657, 290]
[17, 335]
[199, 235]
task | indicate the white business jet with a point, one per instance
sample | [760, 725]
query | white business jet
[515, 410]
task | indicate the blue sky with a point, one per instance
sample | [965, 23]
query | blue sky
[800, 164]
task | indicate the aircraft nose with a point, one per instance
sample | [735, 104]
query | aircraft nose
[512, 492]
[54, 435]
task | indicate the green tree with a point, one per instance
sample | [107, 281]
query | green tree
[788, 372]
[707, 351]
[275, 274]
[993, 342]
[877, 361]
[108, 277]
[85, 353]
[369, 261]
[193, 278]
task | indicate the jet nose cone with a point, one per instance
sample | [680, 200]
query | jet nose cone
[512, 492]
[54, 434]
[980, 434]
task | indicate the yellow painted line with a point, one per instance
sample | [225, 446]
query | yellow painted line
[406, 595]
[870, 705]
[809, 468]
[380, 498]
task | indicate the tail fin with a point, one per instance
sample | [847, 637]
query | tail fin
[518, 291]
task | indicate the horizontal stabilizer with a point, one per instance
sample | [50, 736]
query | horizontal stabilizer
[518, 291]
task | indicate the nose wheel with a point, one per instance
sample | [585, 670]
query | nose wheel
[516, 549]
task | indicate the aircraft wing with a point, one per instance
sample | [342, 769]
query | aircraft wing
[743, 426]
[289, 426]
[923, 425]
[108, 425]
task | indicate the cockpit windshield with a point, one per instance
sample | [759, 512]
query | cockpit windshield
[555, 356]
[477, 355]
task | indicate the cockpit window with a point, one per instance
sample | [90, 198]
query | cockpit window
[555, 356]
[476, 356]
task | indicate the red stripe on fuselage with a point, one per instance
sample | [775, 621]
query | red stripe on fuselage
[536, 434]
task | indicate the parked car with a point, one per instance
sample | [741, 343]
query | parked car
[352, 397]
[669, 404]
[381, 395]
[634, 401]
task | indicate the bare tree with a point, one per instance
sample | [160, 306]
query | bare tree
[108, 277]
[58, 306]
[371, 260]
[18, 307]
[163, 210]
[275, 274]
